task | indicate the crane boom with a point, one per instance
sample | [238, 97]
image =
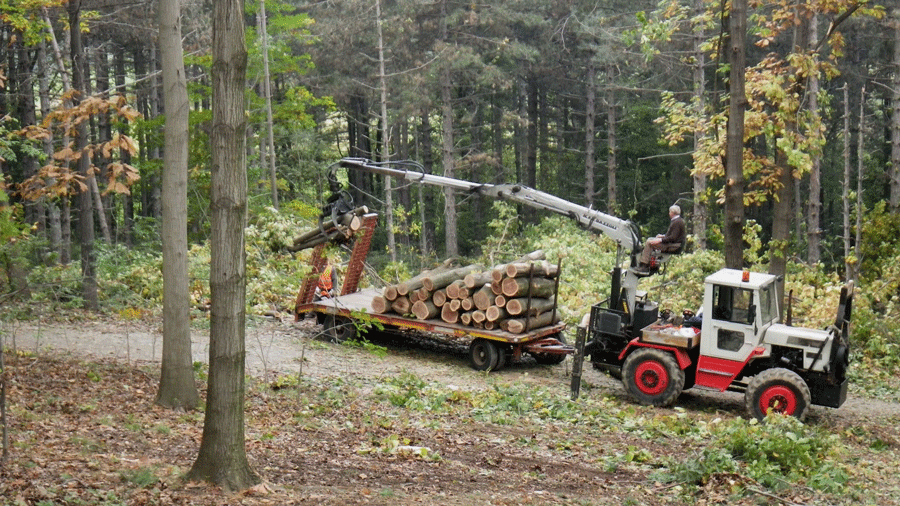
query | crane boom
[625, 233]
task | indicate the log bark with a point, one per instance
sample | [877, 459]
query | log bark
[448, 315]
[517, 287]
[538, 305]
[425, 310]
[415, 282]
[476, 279]
[542, 269]
[380, 304]
[484, 297]
[497, 273]
[401, 305]
[443, 279]
[495, 313]
[518, 325]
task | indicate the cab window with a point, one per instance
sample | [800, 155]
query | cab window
[732, 304]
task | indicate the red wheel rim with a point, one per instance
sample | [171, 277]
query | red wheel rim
[780, 399]
[651, 378]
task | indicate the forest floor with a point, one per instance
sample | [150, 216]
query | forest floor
[322, 427]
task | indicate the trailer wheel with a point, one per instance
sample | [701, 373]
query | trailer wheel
[779, 390]
[551, 358]
[652, 377]
[484, 355]
[339, 328]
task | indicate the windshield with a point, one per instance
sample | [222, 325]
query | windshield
[768, 303]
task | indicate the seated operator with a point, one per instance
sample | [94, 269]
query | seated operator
[327, 282]
[671, 242]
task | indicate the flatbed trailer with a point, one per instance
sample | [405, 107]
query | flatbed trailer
[489, 350]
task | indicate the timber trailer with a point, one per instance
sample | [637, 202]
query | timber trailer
[736, 341]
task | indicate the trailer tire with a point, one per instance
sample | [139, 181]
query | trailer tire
[652, 377]
[551, 358]
[484, 355]
[779, 390]
[339, 328]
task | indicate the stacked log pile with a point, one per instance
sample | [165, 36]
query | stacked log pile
[341, 228]
[516, 297]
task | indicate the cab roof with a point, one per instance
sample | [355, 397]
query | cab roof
[733, 277]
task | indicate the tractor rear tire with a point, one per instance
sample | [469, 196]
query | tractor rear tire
[779, 390]
[652, 377]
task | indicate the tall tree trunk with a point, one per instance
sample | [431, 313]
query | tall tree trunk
[590, 119]
[734, 155]
[895, 120]
[177, 388]
[89, 291]
[531, 143]
[845, 190]
[267, 90]
[156, 187]
[859, 179]
[451, 238]
[222, 458]
[814, 209]
[104, 134]
[701, 207]
[426, 197]
[124, 154]
[54, 232]
[386, 138]
[612, 164]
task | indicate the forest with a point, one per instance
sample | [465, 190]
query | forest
[625, 107]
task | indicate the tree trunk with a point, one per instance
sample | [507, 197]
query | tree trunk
[451, 238]
[222, 459]
[813, 232]
[734, 153]
[895, 120]
[701, 209]
[177, 388]
[590, 121]
[612, 165]
[386, 140]
[267, 90]
[89, 290]
[54, 230]
[845, 190]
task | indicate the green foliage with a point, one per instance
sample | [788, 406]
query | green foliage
[779, 453]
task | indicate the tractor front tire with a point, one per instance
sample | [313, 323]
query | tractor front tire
[652, 377]
[777, 390]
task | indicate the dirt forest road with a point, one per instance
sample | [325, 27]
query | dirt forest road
[288, 348]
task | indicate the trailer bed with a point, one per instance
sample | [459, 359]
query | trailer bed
[546, 344]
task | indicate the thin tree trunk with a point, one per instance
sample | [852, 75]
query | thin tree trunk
[895, 121]
[386, 139]
[222, 458]
[89, 290]
[177, 388]
[859, 179]
[701, 209]
[589, 133]
[845, 190]
[54, 232]
[612, 164]
[813, 232]
[267, 90]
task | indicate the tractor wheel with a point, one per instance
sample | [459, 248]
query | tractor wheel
[551, 358]
[652, 377]
[779, 390]
[339, 328]
[484, 355]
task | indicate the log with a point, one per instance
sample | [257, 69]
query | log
[349, 220]
[454, 304]
[478, 316]
[442, 279]
[496, 287]
[420, 294]
[467, 304]
[489, 325]
[454, 288]
[439, 297]
[466, 318]
[380, 304]
[476, 279]
[425, 310]
[401, 305]
[449, 315]
[517, 325]
[500, 300]
[498, 273]
[542, 269]
[415, 282]
[390, 292]
[517, 287]
[494, 313]
[484, 297]
[538, 306]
